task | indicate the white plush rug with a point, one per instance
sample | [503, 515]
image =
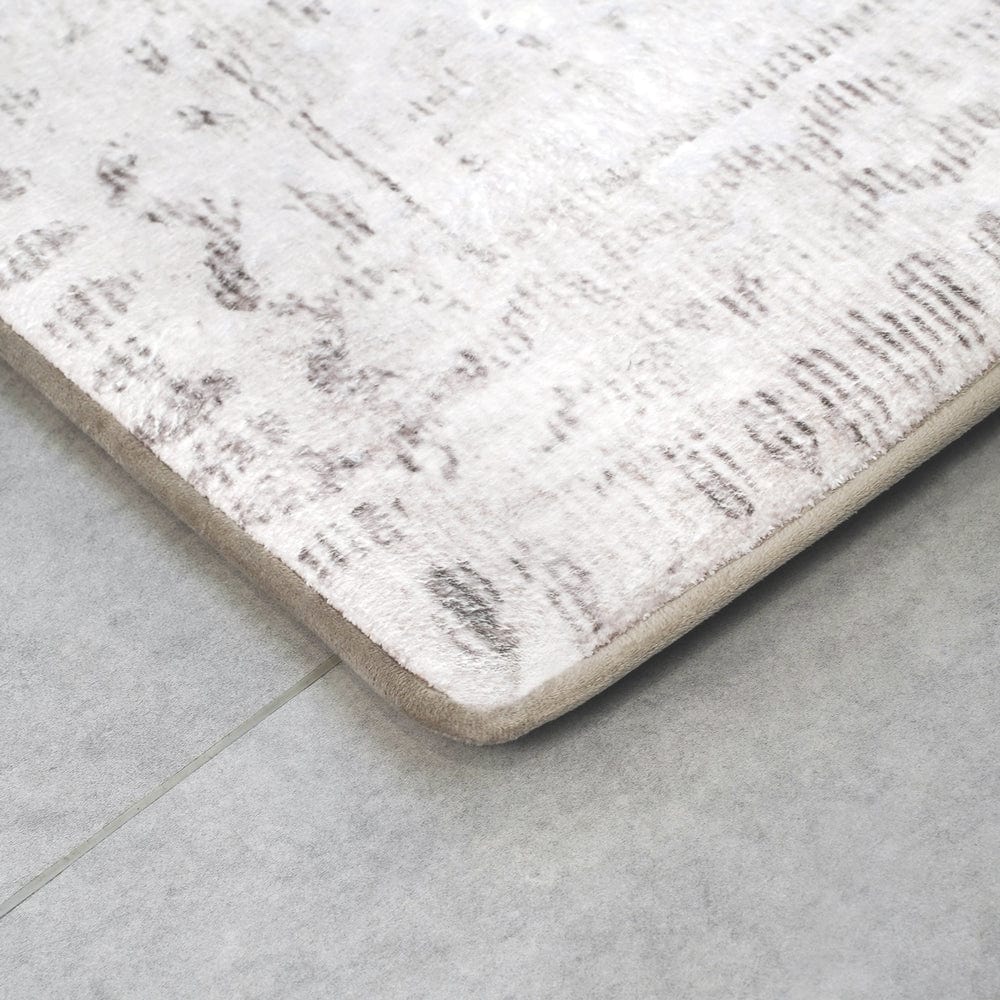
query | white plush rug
[505, 341]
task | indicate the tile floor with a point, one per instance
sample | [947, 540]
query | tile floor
[799, 800]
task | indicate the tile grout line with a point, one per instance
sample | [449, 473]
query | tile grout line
[57, 868]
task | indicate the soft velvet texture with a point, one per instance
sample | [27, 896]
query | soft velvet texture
[502, 327]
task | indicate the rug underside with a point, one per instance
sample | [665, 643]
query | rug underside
[503, 346]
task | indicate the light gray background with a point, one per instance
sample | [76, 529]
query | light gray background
[801, 799]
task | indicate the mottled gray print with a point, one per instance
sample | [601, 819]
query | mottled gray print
[502, 325]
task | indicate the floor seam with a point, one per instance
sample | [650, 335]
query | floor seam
[44, 877]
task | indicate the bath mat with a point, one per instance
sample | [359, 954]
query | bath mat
[504, 342]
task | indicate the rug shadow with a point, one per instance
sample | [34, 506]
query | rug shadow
[853, 532]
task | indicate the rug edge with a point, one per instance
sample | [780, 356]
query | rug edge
[591, 675]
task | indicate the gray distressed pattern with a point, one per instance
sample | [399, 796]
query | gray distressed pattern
[504, 324]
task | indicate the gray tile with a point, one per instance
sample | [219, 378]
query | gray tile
[126, 647]
[799, 800]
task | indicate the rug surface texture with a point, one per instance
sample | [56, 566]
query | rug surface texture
[484, 333]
